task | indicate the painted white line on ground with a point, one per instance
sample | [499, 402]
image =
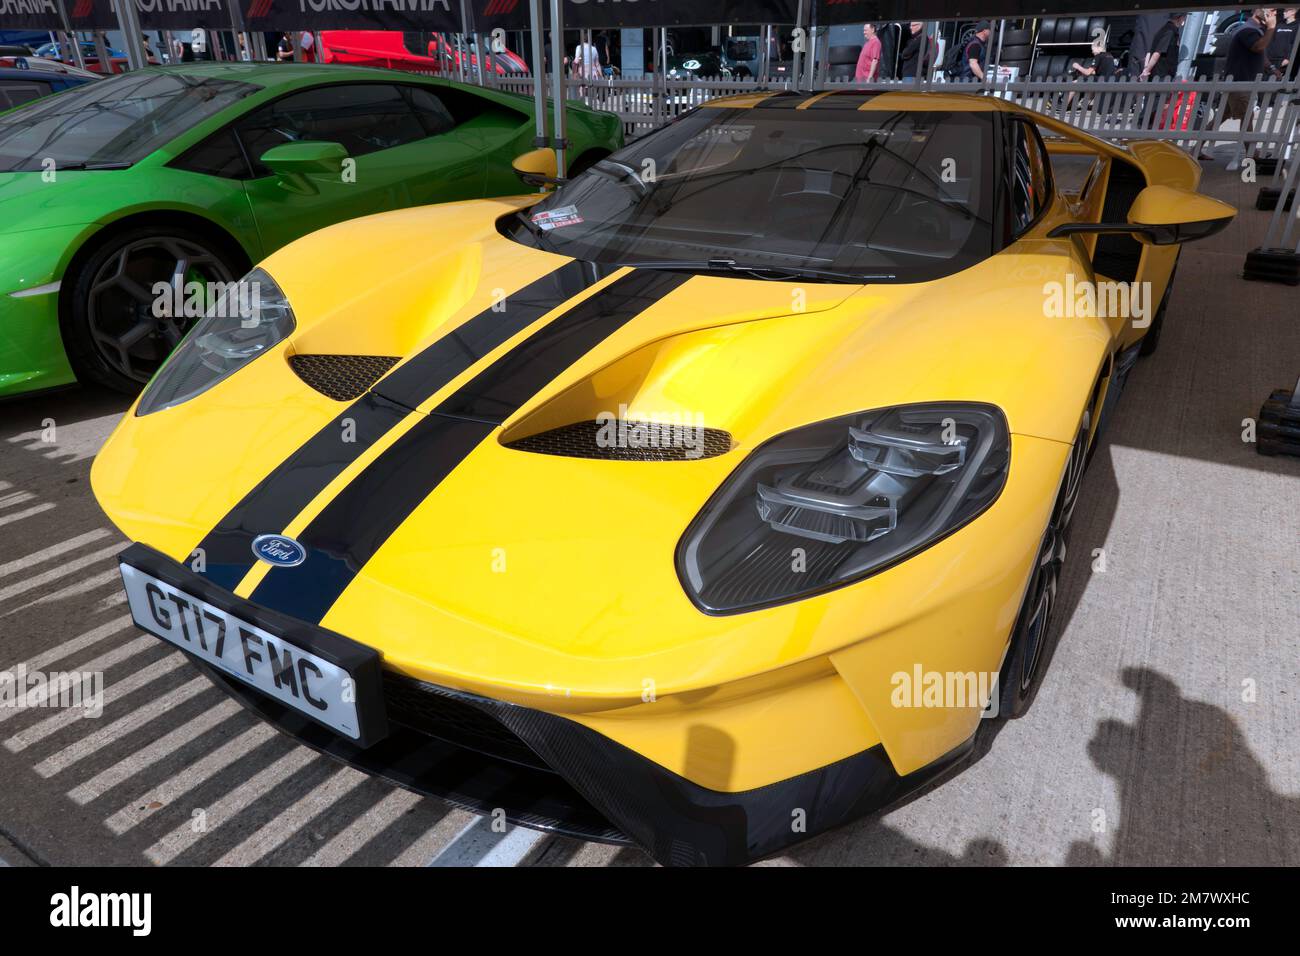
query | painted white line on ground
[120, 728]
[143, 759]
[16, 498]
[60, 571]
[20, 515]
[479, 845]
[84, 586]
[141, 678]
[53, 551]
[230, 806]
[337, 850]
[428, 843]
[268, 838]
[37, 698]
[193, 775]
[68, 648]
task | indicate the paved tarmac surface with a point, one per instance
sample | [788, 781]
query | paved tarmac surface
[1165, 731]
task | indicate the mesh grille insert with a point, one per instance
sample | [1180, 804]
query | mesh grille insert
[626, 440]
[341, 377]
[438, 713]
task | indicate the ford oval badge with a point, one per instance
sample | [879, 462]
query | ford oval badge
[279, 550]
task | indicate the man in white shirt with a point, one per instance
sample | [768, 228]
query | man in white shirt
[586, 61]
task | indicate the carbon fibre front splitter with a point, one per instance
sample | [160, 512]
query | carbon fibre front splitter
[605, 792]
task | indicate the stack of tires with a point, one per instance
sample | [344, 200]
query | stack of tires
[1017, 49]
[1070, 39]
[843, 62]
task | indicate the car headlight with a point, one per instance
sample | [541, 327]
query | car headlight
[833, 502]
[248, 319]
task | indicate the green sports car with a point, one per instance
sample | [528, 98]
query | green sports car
[187, 175]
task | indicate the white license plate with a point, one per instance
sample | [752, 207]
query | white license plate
[281, 670]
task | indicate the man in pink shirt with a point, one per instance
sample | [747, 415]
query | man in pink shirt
[869, 59]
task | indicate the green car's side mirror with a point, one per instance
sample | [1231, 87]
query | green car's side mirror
[537, 168]
[1161, 216]
[297, 159]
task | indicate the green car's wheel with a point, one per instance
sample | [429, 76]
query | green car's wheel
[117, 330]
[1023, 671]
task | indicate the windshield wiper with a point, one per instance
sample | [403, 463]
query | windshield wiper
[61, 168]
[773, 273]
[537, 232]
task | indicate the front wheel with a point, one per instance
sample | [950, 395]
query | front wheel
[1022, 672]
[115, 328]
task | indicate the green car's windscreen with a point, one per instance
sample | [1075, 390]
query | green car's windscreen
[111, 123]
[835, 194]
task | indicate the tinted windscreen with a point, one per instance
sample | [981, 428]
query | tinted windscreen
[117, 121]
[838, 193]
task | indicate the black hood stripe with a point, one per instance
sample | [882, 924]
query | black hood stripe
[413, 383]
[279, 497]
[356, 523]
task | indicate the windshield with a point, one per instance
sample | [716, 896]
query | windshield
[113, 123]
[836, 193]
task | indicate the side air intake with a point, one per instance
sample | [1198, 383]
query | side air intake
[341, 377]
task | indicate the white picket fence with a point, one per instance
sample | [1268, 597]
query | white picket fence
[1189, 113]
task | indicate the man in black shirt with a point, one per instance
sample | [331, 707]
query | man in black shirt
[917, 42]
[1248, 46]
[1279, 51]
[1162, 58]
[972, 58]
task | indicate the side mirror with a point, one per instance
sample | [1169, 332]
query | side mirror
[537, 168]
[291, 160]
[1161, 216]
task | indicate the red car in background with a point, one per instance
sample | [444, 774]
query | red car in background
[415, 52]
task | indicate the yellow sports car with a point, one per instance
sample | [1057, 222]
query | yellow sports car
[705, 502]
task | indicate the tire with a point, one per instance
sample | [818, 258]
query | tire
[1058, 66]
[1151, 341]
[109, 300]
[1018, 52]
[1022, 65]
[1039, 70]
[1078, 31]
[1017, 38]
[842, 71]
[1047, 30]
[843, 54]
[1022, 671]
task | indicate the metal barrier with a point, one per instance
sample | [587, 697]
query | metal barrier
[1189, 113]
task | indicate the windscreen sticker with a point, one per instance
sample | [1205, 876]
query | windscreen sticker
[555, 218]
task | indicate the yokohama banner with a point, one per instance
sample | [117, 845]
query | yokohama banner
[29, 15]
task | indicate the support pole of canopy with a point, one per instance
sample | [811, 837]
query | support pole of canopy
[539, 72]
[923, 54]
[71, 38]
[765, 38]
[101, 51]
[811, 47]
[557, 85]
[244, 50]
[129, 23]
[797, 64]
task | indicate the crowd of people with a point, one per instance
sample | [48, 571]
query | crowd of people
[1258, 44]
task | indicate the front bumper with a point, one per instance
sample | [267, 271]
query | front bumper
[551, 773]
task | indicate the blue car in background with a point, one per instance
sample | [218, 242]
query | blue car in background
[20, 84]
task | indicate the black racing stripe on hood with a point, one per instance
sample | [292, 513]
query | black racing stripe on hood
[502, 388]
[227, 550]
[413, 382]
[281, 495]
[356, 523]
[843, 100]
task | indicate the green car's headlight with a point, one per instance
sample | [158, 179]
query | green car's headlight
[246, 320]
[833, 502]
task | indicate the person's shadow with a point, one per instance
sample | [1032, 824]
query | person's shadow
[1192, 793]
